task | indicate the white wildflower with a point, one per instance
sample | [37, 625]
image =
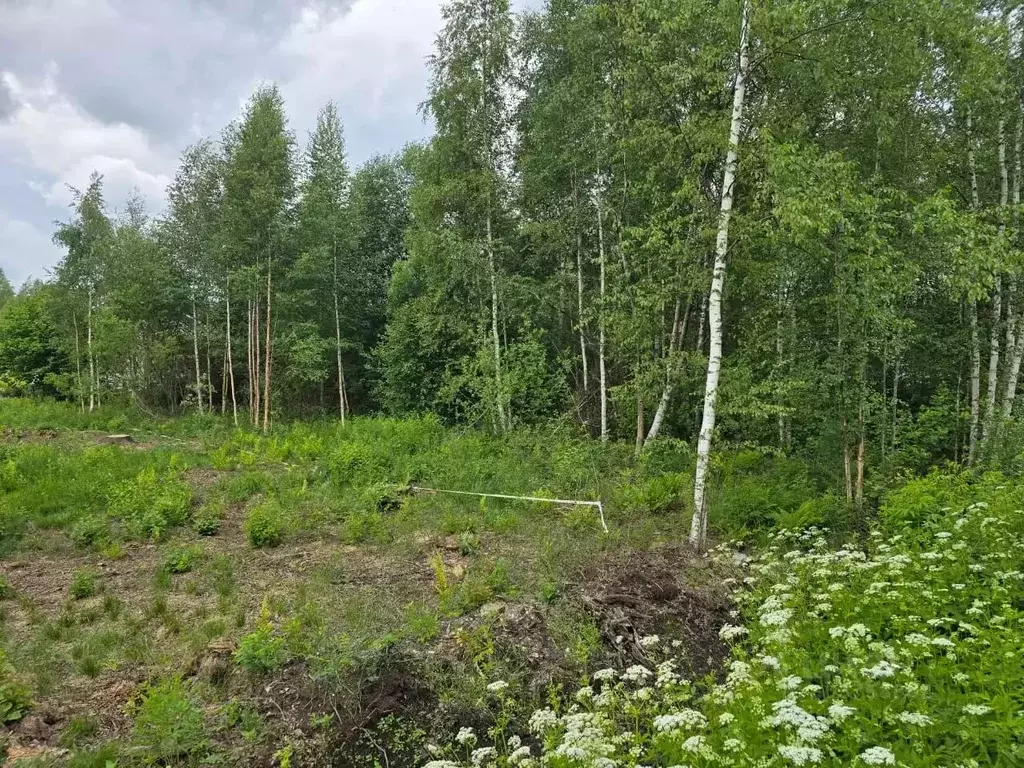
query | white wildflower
[675, 721]
[777, 618]
[542, 721]
[790, 683]
[839, 711]
[497, 686]
[977, 709]
[881, 669]
[730, 632]
[636, 674]
[914, 718]
[800, 755]
[518, 755]
[878, 756]
[466, 736]
[483, 755]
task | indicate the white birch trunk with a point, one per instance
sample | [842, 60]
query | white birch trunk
[699, 523]
[1014, 330]
[78, 362]
[972, 447]
[92, 360]
[579, 309]
[671, 370]
[337, 342]
[896, 399]
[266, 358]
[195, 355]
[227, 340]
[602, 373]
[997, 295]
[209, 364]
[503, 416]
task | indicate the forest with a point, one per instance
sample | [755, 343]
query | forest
[748, 273]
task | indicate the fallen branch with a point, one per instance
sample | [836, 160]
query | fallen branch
[574, 502]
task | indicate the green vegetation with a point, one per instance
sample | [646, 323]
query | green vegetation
[83, 585]
[882, 653]
[15, 697]
[659, 410]
[168, 724]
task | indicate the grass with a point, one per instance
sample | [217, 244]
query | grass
[302, 556]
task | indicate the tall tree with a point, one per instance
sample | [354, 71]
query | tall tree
[326, 235]
[699, 524]
[87, 238]
[256, 212]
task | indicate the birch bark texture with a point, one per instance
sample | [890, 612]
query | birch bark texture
[699, 522]
[972, 309]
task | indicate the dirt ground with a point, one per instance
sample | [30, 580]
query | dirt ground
[665, 590]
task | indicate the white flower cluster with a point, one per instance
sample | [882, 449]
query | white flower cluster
[916, 624]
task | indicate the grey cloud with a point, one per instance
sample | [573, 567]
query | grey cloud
[6, 101]
[124, 85]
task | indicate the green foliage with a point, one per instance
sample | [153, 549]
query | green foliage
[89, 530]
[181, 560]
[660, 493]
[31, 359]
[877, 651]
[83, 584]
[6, 591]
[206, 520]
[755, 490]
[15, 697]
[168, 724]
[262, 650]
[264, 526]
[150, 504]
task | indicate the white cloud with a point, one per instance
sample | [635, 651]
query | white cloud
[25, 251]
[371, 58]
[63, 144]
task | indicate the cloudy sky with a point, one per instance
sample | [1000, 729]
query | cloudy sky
[122, 86]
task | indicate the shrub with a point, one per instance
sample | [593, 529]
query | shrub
[206, 521]
[828, 511]
[923, 499]
[365, 526]
[83, 585]
[262, 650]
[150, 504]
[182, 560]
[5, 588]
[15, 700]
[660, 494]
[346, 461]
[168, 724]
[89, 530]
[263, 526]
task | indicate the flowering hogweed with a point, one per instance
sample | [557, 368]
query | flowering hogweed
[918, 662]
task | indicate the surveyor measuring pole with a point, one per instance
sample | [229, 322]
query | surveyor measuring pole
[574, 502]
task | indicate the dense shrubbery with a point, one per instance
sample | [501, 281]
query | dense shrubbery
[903, 652]
[149, 504]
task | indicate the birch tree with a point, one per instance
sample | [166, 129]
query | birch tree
[325, 234]
[87, 238]
[699, 523]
